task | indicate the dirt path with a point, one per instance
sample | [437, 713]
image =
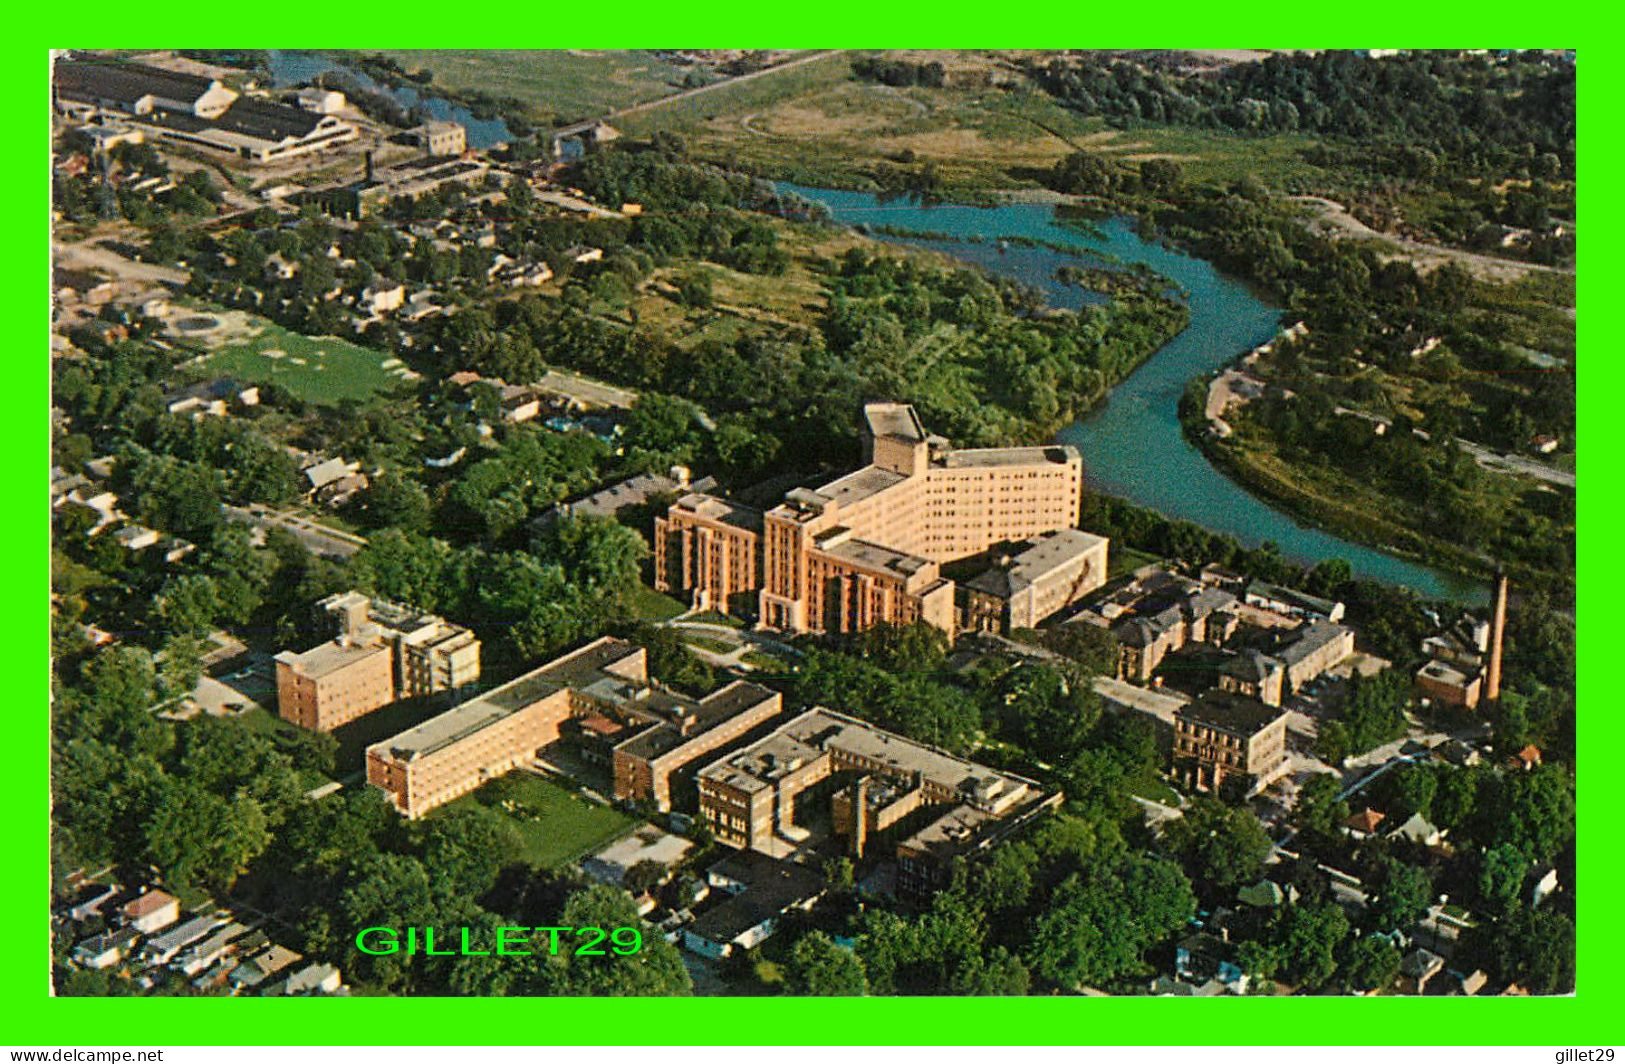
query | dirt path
[89, 255]
[1336, 219]
[689, 94]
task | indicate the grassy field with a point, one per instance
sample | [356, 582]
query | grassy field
[650, 605]
[555, 826]
[705, 642]
[316, 369]
[566, 85]
[819, 123]
[1126, 560]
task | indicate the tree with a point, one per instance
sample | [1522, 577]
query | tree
[1100, 922]
[819, 968]
[656, 970]
[1401, 895]
[839, 874]
[1048, 711]
[189, 604]
[464, 850]
[1531, 947]
[643, 877]
[1370, 963]
[394, 500]
[180, 666]
[1308, 937]
[1319, 812]
[1221, 848]
[1159, 176]
[1501, 873]
[1413, 788]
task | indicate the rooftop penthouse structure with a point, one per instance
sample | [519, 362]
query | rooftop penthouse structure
[864, 549]
[380, 652]
[431, 653]
[605, 682]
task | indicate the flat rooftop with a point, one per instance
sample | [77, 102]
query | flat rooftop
[1039, 557]
[330, 657]
[893, 419]
[1058, 454]
[1231, 712]
[954, 832]
[819, 730]
[482, 711]
[719, 707]
[722, 511]
[869, 555]
[1444, 672]
[860, 484]
[1163, 705]
[647, 843]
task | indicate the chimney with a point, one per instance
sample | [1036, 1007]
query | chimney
[1498, 628]
[370, 178]
[860, 816]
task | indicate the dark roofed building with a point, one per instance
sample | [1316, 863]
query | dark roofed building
[761, 891]
[1227, 736]
[200, 112]
[138, 89]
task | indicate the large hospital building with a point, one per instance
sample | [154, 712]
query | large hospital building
[865, 548]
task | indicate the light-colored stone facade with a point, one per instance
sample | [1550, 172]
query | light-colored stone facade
[864, 549]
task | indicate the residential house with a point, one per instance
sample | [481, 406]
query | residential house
[254, 971]
[760, 890]
[152, 911]
[107, 949]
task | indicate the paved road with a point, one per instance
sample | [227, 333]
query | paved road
[1337, 217]
[1493, 460]
[321, 539]
[588, 391]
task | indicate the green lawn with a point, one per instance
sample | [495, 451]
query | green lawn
[555, 826]
[713, 617]
[650, 605]
[316, 369]
[1126, 560]
[705, 642]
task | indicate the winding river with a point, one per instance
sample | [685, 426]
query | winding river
[1132, 444]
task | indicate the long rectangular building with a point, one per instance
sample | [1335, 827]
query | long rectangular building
[864, 549]
[196, 111]
[605, 684]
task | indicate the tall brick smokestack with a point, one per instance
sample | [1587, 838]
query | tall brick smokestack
[860, 817]
[1498, 629]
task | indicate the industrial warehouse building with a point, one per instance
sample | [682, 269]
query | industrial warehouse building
[196, 111]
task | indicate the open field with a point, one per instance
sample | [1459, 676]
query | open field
[555, 826]
[567, 85]
[321, 369]
[820, 123]
[650, 605]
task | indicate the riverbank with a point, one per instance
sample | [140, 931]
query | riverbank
[1331, 506]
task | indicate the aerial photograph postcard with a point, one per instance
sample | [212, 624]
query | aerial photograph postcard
[776, 523]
